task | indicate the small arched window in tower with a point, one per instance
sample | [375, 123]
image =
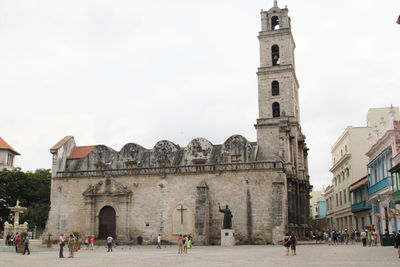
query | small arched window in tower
[275, 88]
[275, 55]
[276, 112]
[275, 23]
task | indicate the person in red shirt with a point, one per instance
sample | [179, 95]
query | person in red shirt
[180, 244]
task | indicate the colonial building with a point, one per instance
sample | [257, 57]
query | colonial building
[384, 145]
[360, 205]
[348, 166]
[136, 193]
[7, 155]
[316, 204]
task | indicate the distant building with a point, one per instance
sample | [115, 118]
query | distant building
[321, 208]
[7, 155]
[315, 195]
[384, 144]
[360, 205]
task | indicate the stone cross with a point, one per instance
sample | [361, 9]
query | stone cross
[17, 210]
[181, 210]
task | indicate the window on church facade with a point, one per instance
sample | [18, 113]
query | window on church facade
[275, 23]
[276, 110]
[236, 159]
[275, 88]
[100, 166]
[130, 165]
[275, 55]
[199, 164]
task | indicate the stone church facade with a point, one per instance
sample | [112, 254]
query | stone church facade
[136, 193]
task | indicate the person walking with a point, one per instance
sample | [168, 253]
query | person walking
[293, 242]
[286, 243]
[159, 241]
[109, 243]
[62, 244]
[26, 245]
[71, 245]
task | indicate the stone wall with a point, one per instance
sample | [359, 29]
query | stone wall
[256, 197]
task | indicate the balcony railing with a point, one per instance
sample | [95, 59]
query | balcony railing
[214, 168]
[360, 206]
[380, 185]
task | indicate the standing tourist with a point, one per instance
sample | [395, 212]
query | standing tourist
[352, 236]
[293, 242]
[185, 244]
[91, 241]
[71, 245]
[286, 243]
[180, 244]
[62, 244]
[363, 237]
[397, 242]
[159, 241]
[109, 243]
[16, 241]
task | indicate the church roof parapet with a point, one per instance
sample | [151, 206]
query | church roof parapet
[165, 170]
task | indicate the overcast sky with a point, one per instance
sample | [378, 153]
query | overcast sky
[114, 72]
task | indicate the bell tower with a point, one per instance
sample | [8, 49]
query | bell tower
[277, 82]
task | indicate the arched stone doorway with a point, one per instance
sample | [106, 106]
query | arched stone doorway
[107, 222]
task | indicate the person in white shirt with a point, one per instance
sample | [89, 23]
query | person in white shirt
[62, 244]
[159, 241]
[363, 236]
[109, 243]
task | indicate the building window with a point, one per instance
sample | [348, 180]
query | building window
[276, 110]
[341, 203]
[345, 148]
[337, 200]
[275, 88]
[130, 165]
[10, 160]
[236, 159]
[343, 176]
[275, 55]
[199, 164]
[100, 166]
[275, 23]
[344, 196]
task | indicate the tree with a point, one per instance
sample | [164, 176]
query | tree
[32, 189]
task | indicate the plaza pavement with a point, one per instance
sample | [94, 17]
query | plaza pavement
[308, 255]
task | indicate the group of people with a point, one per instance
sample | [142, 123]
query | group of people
[333, 237]
[184, 242]
[15, 239]
[71, 244]
[290, 241]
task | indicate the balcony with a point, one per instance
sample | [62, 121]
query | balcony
[379, 185]
[396, 197]
[361, 206]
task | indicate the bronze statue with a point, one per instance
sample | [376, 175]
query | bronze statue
[227, 217]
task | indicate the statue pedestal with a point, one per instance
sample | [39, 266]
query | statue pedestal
[227, 238]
